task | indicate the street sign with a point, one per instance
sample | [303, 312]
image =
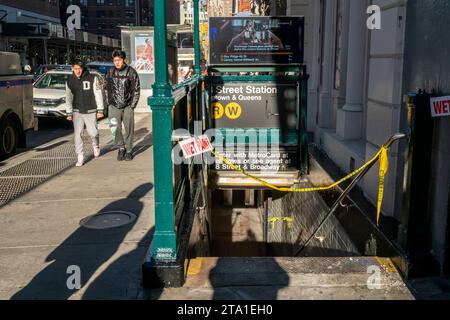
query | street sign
[195, 146]
[254, 105]
[440, 107]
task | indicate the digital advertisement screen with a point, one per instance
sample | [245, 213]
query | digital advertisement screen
[256, 40]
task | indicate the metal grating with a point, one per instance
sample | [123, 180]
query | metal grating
[307, 211]
[38, 167]
[29, 174]
[64, 151]
[11, 188]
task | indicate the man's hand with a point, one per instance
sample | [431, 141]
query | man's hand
[70, 118]
[100, 115]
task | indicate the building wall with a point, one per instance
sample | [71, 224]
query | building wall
[187, 12]
[220, 8]
[310, 9]
[23, 11]
[46, 8]
[411, 51]
[384, 106]
[427, 66]
[334, 30]
[104, 16]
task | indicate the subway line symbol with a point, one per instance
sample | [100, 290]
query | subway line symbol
[218, 110]
[233, 111]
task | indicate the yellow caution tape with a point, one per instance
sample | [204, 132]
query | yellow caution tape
[384, 166]
[382, 155]
[289, 220]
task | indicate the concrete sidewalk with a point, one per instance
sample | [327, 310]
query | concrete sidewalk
[41, 236]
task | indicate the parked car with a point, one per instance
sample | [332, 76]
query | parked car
[100, 67]
[16, 110]
[50, 94]
[42, 69]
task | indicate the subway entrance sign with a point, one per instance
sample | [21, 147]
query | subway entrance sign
[250, 116]
[257, 90]
[255, 105]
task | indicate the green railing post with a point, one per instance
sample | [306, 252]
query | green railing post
[164, 246]
[197, 36]
[304, 123]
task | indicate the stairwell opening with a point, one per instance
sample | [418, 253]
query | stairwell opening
[277, 225]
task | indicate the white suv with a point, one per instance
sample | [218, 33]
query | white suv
[50, 94]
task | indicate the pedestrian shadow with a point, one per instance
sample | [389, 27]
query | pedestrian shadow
[139, 148]
[125, 270]
[86, 250]
[243, 278]
[143, 146]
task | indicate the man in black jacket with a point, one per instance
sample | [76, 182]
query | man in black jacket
[84, 105]
[123, 92]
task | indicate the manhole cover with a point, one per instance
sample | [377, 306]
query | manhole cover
[108, 220]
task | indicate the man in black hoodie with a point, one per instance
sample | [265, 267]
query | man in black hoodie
[123, 93]
[84, 106]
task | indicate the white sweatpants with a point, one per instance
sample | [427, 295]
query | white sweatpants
[90, 121]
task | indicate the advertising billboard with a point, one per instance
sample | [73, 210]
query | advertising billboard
[143, 54]
[256, 40]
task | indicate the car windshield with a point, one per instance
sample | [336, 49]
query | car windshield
[102, 69]
[52, 81]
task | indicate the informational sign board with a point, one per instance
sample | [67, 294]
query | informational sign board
[256, 40]
[280, 160]
[440, 107]
[270, 112]
[255, 105]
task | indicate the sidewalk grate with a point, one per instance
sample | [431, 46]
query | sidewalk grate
[38, 167]
[66, 150]
[11, 188]
[27, 175]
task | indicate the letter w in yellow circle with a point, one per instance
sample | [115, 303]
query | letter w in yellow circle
[233, 110]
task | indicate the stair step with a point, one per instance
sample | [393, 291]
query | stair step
[317, 274]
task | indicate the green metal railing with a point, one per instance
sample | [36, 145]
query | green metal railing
[173, 107]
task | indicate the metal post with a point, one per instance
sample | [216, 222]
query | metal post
[404, 218]
[304, 154]
[197, 37]
[414, 232]
[164, 241]
[45, 52]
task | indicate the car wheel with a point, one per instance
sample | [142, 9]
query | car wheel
[9, 138]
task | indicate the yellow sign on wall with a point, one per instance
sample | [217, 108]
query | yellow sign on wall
[233, 111]
[218, 110]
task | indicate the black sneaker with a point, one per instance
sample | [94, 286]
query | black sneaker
[129, 156]
[121, 155]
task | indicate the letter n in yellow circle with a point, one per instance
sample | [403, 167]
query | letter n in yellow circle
[218, 110]
[233, 110]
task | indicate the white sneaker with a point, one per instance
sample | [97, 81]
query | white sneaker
[96, 152]
[80, 161]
